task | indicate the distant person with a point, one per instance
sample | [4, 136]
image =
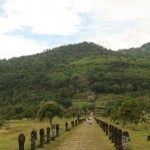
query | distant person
[89, 121]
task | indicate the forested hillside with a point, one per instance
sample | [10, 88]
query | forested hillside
[61, 72]
[144, 51]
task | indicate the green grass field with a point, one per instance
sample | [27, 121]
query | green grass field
[138, 134]
[9, 133]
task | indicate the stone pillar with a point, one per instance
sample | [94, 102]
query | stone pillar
[112, 134]
[72, 124]
[21, 141]
[148, 138]
[41, 138]
[119, 145]
[106, 128]
[66, 126]
[115, 136]
[76, 123]
[127, 133]
[53, 132]
[33, 138]
[57, 130]
[48, 135]
[110, 131]
[125, 140]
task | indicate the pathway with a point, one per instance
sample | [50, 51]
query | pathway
[86, 137]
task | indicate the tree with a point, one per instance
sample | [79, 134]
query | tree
[98, 87]
[88, 107]
[130, 110]
[75, 112]
[30, 112]
[49, 110]
[116, 89]
[65, 102]
[129, 88]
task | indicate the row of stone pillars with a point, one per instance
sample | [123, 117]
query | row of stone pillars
[73, 124]
[117, 136]
[54, 133]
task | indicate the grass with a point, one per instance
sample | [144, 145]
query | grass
[9, 133]
[103, 139]
[138, 134]
[79, 104]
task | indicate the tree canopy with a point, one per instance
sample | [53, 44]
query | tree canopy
[49, 110]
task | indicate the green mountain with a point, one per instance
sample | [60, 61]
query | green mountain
[61, 72]
[143, 51]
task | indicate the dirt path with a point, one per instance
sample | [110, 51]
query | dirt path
[86, 137]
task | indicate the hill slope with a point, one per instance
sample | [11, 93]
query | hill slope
[143, 51]
[63, 71]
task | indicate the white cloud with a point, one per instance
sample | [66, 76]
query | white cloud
[118, 10]
[120, 23]
[112, 23]
[44, 17]
[48, 17]
[15, 46]
[126, 38]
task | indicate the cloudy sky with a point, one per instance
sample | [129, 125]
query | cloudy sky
[30, 26]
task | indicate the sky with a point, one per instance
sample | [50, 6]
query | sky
[30, 26]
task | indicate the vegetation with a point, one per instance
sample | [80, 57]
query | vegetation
[130, 110]
[143, 51]
[77, 78]
[11, 129]
[49, 110]
[62, 72]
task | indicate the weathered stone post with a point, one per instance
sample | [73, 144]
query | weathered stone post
[66, 126]
[76, 123]
[72, 124]
[33, 138]
[103, 126]
[148, 138]
[115, 136]
[21, 141]
[119, 145]
[112, 137]
[125, 140]
[106, 126]
[48, 135]
[57, 130]
[127, 133]
[53, 132]
[41, 138]
[110, 131]
[99, 123]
